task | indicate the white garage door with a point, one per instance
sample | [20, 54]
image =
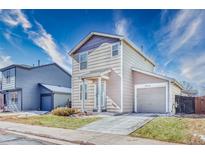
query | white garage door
[151, 100]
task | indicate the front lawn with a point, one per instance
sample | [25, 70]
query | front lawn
[51, 121]
[173, 129]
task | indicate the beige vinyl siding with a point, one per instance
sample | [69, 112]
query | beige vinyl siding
[131, 58]
[99, 58]
[140, 78]
[176, 90]
[11, 84]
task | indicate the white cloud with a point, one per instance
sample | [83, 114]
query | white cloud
[177, 39]
[39, 37]
[193, 68]
[189, 32]
[15, 18]
[179, 31]
[5, 61]
[45, 41]
[122, 27]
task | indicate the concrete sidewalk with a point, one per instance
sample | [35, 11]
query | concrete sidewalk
[77, 136]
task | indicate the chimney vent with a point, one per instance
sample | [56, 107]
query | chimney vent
[39, 62]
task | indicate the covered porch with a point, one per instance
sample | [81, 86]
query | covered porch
[98, 80]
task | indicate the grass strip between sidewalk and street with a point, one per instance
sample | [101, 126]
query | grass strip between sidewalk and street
[51, 121]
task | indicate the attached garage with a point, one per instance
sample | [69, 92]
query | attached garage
[151, 98]
[153, 93]
[53, 96]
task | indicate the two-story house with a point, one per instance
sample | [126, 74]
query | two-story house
[41, 87]
[110, 73]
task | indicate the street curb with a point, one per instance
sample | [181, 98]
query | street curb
[44, 139]
[43, 136]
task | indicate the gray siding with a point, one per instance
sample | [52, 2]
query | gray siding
[60, 100]
[28, 80]
[131, 58]
[11, 85]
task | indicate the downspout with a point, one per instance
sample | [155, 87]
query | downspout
[99, 94]
[170, 107]
[121, 83]
[83, 96]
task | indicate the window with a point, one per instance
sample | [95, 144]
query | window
[83, 60]
[8, 76]
[115, 49]
[81, 92]
[14, 97]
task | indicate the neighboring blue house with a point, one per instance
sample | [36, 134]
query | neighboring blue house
[41, 87]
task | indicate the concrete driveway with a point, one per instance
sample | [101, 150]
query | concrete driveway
[122, 125]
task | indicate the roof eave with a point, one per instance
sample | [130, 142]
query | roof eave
[152, 74]
[89, 36]
[111, 36]
[138, 50]
[178, 84]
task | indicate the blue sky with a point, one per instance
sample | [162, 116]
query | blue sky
[174, 39]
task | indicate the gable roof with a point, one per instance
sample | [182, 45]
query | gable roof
[27, 67]
[158, 76]
[120, 37]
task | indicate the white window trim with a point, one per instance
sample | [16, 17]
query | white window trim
[119, 51]
[87, 91]
[8, 76]
[95, 93]
[85, 52]
[152, 85]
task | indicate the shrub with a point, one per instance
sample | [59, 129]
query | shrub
[64, 111]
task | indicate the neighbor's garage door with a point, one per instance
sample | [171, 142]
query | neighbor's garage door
[151, 100]
[46, 103]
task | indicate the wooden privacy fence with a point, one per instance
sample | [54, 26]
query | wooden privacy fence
[200, 105]
[190, 105]
[185, 104]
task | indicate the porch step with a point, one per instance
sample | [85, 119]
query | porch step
[112, 107]
[12, 108]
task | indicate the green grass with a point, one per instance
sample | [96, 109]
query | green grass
[172, 129]
[52, 121]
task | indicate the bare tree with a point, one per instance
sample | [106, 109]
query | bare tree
[189, 89]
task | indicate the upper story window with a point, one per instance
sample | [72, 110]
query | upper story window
[115, 49]
[83, 59]
[8, 76]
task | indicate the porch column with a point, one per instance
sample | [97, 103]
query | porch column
[83, 96]
[99, 94]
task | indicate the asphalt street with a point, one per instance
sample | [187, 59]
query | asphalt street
[13, 139]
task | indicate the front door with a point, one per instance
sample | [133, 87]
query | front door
[46, 102]
[12, 100]
[103, 96]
